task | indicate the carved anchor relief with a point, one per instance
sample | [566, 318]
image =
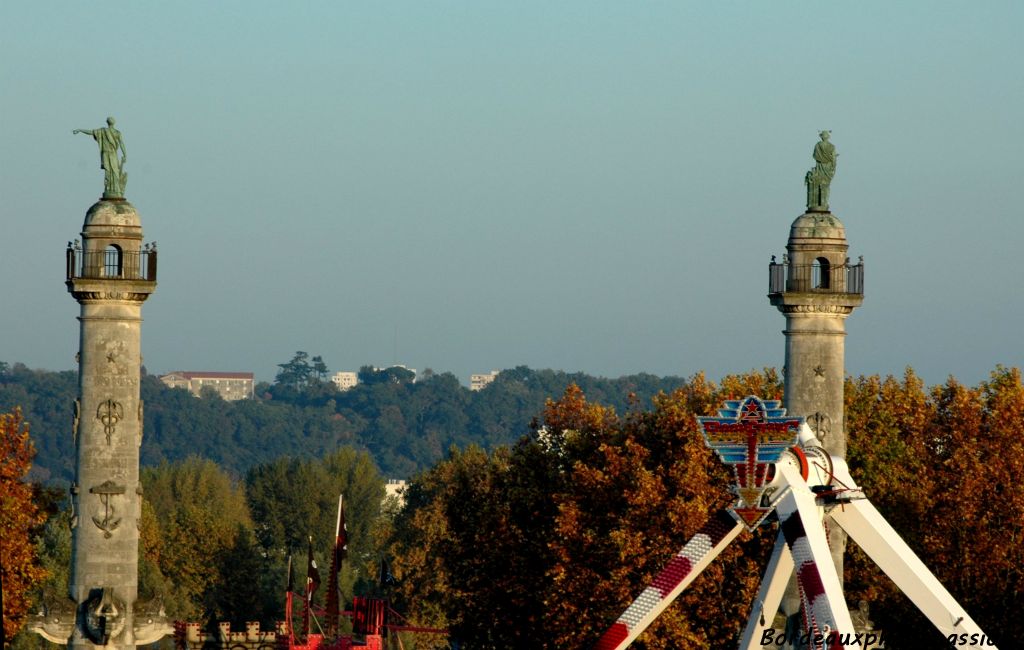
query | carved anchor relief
[109, 413]
[105, 490]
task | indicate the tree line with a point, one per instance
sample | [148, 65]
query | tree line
[212, 547]
[542, 542]
[405, 426]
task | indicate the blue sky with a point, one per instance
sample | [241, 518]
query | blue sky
[592, 186]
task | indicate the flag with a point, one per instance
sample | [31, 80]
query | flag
[312, 574]
[386, 578]
[291, 577]
[288, 595]
[341, 538]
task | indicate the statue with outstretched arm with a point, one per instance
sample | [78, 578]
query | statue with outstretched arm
[110, 142]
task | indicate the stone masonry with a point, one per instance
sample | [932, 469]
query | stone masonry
[110, 274]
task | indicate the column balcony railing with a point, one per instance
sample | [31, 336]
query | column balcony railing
[111, 264]
[786, 277]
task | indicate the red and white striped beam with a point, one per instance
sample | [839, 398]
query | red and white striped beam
[827, 620]
[722, 528]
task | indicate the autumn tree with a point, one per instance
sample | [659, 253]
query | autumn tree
[428, 546]
[631, 502]
[888, 423]
[544, 544]
[19, 519]
[943, 466]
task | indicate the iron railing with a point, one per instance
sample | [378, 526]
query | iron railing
[111, 264]
[815, 278]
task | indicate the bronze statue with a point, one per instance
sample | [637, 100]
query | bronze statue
[819, 178]
[110, 141]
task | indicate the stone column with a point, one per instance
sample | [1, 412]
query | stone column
[821, 289]
[110, 275]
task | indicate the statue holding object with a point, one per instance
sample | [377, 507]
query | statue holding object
[819, 178]
[110, 141]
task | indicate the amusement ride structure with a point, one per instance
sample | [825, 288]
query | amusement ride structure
[781, 469]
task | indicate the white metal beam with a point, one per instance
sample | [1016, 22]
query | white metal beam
[773, 586]
[866, 526]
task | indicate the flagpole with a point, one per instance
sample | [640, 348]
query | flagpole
[310, 572]
[340, 540]
[289, 627]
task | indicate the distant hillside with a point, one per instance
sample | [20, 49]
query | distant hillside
[405, 426]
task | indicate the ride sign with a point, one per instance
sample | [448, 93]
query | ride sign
[751, 435]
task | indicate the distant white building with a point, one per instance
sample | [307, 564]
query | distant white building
[229, 385]
[395, 488]
[345, 380]
[477, 382]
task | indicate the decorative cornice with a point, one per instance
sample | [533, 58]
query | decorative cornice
[803, 302]
[816, 309]
[103, 296]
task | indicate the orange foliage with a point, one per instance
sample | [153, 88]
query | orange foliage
[18, 517]
[544, 545]
[629, 507]
[945, 468]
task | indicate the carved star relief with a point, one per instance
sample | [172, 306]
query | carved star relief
[819, 370]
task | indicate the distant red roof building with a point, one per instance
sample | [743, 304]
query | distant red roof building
[229, 385]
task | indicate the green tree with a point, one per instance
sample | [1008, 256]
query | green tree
[296, 373]
[406, 426]
[319, 368]
[199, 512]
[292, 499]
[46, 400]
[301, 381]
[368, 375]
[242, 564]
[55, 556]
